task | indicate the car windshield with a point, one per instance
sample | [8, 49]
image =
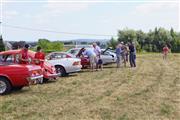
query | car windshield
[6, 59]
[73, 51]
[1, 58]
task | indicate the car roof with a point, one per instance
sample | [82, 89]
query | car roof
[81, 48]
[60, 52]
[66, 53]
[10, 52]
[31, 53]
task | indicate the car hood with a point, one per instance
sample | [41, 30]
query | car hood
[68, 59]
[32, 67]
[22, 66]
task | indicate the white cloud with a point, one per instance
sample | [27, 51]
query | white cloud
[151, 8]
[60, 8]
[10, 14]
[55, 10]
[157, 14]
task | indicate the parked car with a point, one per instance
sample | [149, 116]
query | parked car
[106, 56]
[64, 63]
[16, 76]
[49, 71]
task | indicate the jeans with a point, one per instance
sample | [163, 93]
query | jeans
[118, 60]
[132, 59]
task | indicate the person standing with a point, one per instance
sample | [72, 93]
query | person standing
[165, 52]
[91, 55]
[39, 57]
[97, 51]
[24, 58]
[132, 55]
[127, 52]
[124, 53]
[118, 55]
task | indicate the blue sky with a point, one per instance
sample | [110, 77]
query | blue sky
[84, 17]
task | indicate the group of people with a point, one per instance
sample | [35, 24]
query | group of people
[125, 53]
[94, 56]
[38, 59]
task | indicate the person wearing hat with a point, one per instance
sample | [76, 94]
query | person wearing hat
[23, 58]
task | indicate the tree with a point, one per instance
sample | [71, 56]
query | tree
[2, 47]
[112, 43]
[127, 35]
[140, 38]
[49, 46]
[152, 41]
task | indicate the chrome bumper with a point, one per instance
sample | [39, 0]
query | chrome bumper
[35, 78]
[54, 75]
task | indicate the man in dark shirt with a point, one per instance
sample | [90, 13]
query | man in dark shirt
[132, 55]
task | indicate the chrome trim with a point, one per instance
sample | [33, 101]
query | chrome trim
[54, 75]
[36, 77]
[3, 87]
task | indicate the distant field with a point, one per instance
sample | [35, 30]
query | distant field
[149, 92]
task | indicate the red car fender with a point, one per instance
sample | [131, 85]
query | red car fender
[4, 75]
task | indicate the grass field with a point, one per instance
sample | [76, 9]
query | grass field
[149, 92]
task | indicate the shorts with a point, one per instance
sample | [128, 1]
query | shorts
[93, 59]
[100, 62]
[123, 56]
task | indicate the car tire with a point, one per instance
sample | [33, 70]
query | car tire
[17, 88]
[5, 86]
[60, 69]
[45, 80]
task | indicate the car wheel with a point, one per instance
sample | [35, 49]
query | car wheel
[17, 88]
[45, 80]
[5, 86]
[60, 69]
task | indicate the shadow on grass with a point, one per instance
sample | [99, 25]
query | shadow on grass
[49, 82]
[22, 91]
[71, 75]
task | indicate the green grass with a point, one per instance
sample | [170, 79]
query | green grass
[148, 92]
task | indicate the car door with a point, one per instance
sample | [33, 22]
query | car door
[107, 58]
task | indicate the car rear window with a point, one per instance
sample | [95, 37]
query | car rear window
[1, 59]
[6, 60]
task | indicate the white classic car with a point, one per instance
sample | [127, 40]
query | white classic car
[63, 63]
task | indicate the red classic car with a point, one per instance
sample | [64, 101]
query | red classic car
[15, 76]
[49, 71]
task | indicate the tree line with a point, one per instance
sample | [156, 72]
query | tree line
[2, 47]
[152, 41]
[47, 45]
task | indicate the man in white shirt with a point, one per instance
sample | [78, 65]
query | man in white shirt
[91, 55]
[97, 50]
